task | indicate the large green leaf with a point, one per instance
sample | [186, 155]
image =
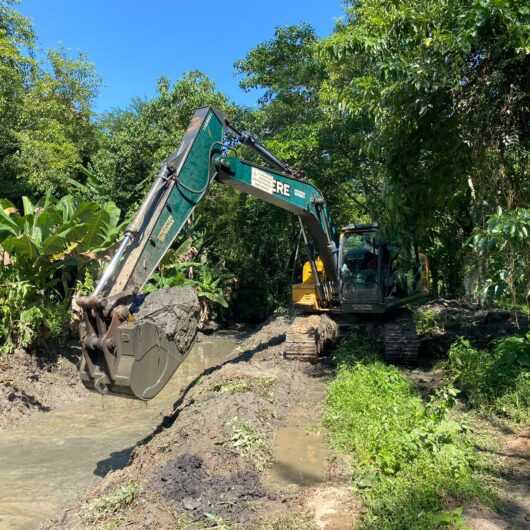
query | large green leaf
[28, 206]
[8, 226]
[67, 206]
[113, 211]
[45, 202]
[97, 223]
[87, 211]
[66, 239]
[22, 248]
[7, 206]
[218, 298]
[49, 221]
[36, 235]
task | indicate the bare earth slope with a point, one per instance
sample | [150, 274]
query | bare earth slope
[32, 384]
[210, 459]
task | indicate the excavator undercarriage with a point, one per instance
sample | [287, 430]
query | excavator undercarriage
[310, 337]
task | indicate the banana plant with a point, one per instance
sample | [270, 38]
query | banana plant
[51, 240]
[210, 286]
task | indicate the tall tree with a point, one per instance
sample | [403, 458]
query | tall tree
[46, 132]
[56, 135]
[136, 140]
[439, 90]
[294, 123]
[16, 65]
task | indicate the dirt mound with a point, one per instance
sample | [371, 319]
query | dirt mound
[206, 462]
[176, 310]
[188, 484]
[32, 383]
[443, 321]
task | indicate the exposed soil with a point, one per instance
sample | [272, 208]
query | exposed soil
[455, 318]
[35, 384]
[510, 479]
[188, 483]
[210, 459]
[243, 445]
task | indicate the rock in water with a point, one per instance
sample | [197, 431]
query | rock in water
[176, 311]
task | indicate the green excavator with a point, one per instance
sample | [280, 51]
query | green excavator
[351, 274]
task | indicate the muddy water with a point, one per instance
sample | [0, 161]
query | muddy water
[300, 453]
[48, 462]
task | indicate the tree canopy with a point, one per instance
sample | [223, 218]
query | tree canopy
[413, 113]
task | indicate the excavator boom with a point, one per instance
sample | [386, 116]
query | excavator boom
[127, 355]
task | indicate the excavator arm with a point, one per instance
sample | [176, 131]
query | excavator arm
[121, 357]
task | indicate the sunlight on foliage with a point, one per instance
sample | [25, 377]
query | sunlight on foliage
[408, 458]
[46, 246]
[504, 256]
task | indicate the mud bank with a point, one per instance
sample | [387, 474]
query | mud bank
[47, 462]
[217, 456]
[442, 321]
[36, 384]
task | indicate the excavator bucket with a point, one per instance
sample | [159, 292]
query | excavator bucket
[142, 345]
[133, 344]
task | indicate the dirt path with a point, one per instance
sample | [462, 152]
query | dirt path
[509, 477]
[243, 446]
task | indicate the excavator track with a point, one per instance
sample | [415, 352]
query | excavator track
[400, 338]
[309, 336]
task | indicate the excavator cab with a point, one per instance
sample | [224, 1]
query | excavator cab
[376, 275]
[364, 269]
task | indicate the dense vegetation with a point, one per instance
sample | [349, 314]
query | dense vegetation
[415, 463]
[495, 382]
[414, 113]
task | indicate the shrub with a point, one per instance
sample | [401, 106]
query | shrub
[504, 260]
[50, 243]
[18, 320]
[176, 269]
[496, 381]
[46, 248]
[427, 322]
[409, 458]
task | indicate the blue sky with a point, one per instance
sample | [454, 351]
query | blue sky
[134, 42]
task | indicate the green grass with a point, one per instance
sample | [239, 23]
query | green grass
[250, 444]
[494, 382]
[111, 504]
[413, 466]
